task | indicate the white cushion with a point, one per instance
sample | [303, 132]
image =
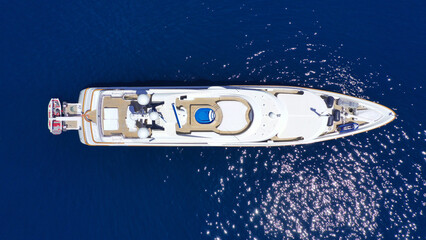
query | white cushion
[234, 115]
[110, 125]
[111, 113]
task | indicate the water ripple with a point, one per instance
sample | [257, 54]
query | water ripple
[366, 186]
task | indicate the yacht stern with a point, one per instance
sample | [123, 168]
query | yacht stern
[63, 117]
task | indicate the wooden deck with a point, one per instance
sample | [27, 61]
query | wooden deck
[340, 108]
[71, 125]
[122, 106]
[72, 109]
[193, 105]
[91, 116]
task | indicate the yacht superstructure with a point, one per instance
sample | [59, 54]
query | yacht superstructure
[214, 116]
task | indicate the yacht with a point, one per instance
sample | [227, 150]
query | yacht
[229, 116]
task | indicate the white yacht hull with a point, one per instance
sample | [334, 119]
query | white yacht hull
[246, 116]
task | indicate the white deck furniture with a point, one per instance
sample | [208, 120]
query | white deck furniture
[234, 116]
[110, 119]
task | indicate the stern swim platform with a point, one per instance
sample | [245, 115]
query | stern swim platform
[215, 116]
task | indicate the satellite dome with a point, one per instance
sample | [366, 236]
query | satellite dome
[143, 132]
[143, 99]
[154, 116]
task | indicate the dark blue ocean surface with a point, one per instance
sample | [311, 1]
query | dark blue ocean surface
[363, 187]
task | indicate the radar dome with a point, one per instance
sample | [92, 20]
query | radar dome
[143, 99]
[143, 132]
[154, 116]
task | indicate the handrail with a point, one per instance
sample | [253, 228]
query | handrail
[177, 119]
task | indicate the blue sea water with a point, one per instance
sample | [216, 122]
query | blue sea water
[369, 186]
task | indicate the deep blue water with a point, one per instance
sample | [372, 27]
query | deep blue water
[367, 186]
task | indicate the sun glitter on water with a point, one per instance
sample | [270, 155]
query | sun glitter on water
[346, 189]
